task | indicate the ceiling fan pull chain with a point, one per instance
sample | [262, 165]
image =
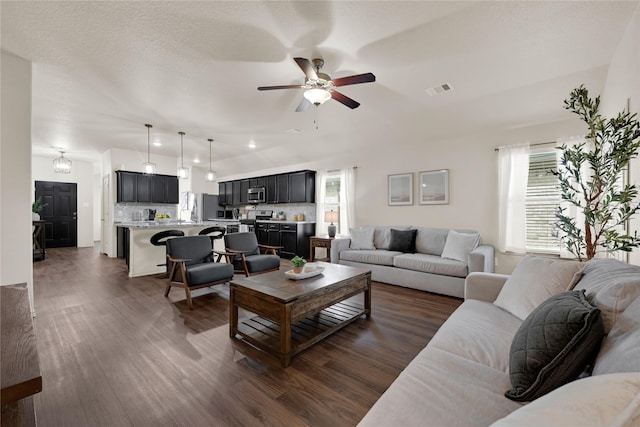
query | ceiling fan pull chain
[315, 117]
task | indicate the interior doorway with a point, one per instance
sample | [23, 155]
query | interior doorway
[60, 213]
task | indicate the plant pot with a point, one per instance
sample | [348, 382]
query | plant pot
[297, 270]
[35, 216]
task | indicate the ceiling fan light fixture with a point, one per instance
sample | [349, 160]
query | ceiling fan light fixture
[62, 164]
[147, 167]
[317, 96]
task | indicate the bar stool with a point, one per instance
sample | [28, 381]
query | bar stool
[214, 233]
[160, 239]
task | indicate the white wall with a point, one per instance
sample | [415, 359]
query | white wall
[623, 82]
[82, 175]
[16, 250]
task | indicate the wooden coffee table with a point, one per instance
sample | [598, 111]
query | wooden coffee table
[292, 315]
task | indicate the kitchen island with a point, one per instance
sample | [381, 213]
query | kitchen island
[143, 257]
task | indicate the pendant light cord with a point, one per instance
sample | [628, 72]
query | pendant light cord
[181, 150]
[210, 142]
[148, 143]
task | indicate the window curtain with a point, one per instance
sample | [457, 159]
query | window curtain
[321, 191]
[347, 200]
[570, 210]
[513, 171]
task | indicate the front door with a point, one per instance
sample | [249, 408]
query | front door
[59, 214]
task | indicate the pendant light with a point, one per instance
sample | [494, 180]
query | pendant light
[211, 175]
[147, 167]
[62, 164]
[183, 173]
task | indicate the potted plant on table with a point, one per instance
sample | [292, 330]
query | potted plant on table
[298, 264]
[36, 208]
[591, 180]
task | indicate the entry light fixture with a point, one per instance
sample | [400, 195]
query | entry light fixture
[317, 96]
[62, 164]
[183, 173]
[211, 175]
[147, 167]
[331, 217]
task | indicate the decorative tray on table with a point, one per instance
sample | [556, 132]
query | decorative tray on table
[304, 275]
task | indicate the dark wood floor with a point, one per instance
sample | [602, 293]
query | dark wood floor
[115, 352]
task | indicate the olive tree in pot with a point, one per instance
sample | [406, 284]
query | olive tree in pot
[590, 178]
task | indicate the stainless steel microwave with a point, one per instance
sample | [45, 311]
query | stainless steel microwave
[256, 195]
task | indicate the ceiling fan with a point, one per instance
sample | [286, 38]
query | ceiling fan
[320, 87]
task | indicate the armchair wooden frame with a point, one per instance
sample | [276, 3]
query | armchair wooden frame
[178, 277]
[231, 254]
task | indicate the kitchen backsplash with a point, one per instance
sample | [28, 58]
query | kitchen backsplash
[289, 209]
[135, 211]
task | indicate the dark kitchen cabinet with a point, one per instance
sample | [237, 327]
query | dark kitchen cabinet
[262, 233]
[141, 188]
[294, 239]
[282, 188]
[302, 187]
[123, 243]
[236, 193]
[271, 189]
[222, 195]
[244, 191]
[273, 235]
[127, 187]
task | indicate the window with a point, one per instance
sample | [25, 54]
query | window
[542, 201]
[332, 192]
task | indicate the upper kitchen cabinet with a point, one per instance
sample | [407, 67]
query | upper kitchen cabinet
[302, 187]
[282, 188]
[141, 188]
[271, 186]
[244, 191]
[127, 187]
[235, 192]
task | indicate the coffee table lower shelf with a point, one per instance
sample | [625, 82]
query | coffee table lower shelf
[265, 334]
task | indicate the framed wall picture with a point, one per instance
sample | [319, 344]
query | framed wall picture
[434, 187]
[400, 189]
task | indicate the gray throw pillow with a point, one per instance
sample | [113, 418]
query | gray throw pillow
[403, 241]
[554, 345]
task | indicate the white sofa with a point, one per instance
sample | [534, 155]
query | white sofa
[460, 377]
[425, 269]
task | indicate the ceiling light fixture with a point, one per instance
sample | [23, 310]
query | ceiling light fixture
[211, 175]
[183, 173]
[62, 164]
[317, 96]
[148, 167]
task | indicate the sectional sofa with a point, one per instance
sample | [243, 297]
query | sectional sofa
[462, 377]
[437, 261]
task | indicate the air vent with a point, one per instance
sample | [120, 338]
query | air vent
[293, 130]
[436, 90]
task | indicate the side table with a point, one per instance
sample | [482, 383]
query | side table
[319, 242]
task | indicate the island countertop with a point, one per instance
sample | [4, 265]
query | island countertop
[175, 223]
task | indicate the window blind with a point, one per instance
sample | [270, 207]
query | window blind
[542, 201]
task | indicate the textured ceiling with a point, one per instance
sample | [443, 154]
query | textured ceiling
[103, 69]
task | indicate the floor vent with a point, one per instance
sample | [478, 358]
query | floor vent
[436, 90]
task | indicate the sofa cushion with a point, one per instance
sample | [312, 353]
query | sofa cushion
[442, 389]
[534, 280]
[375, 256]
[382, 234]
[431, 240]
[458, 245]
[620, 349]
[362, 238]
[431, 264]
[553, 345]
[611, 285]
[403, 240]
[479, 331]
[601, 400]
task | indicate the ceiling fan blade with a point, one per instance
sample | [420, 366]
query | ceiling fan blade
[352, 80]
[304, 104]
[280, 87]
[307, 68]
[344, 99]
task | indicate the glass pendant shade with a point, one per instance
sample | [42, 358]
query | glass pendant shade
[147, 167]
[62, 164]
[317, 96]
[183, 173]
[211, 175]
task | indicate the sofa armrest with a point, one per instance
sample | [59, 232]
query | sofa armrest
[484, 286]
[482, 259]
[337, 245]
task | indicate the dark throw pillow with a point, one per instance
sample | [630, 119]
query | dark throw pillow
[554, 344]
[403, 240]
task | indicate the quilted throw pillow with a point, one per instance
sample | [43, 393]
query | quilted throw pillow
[554, 345]
[403, 241]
